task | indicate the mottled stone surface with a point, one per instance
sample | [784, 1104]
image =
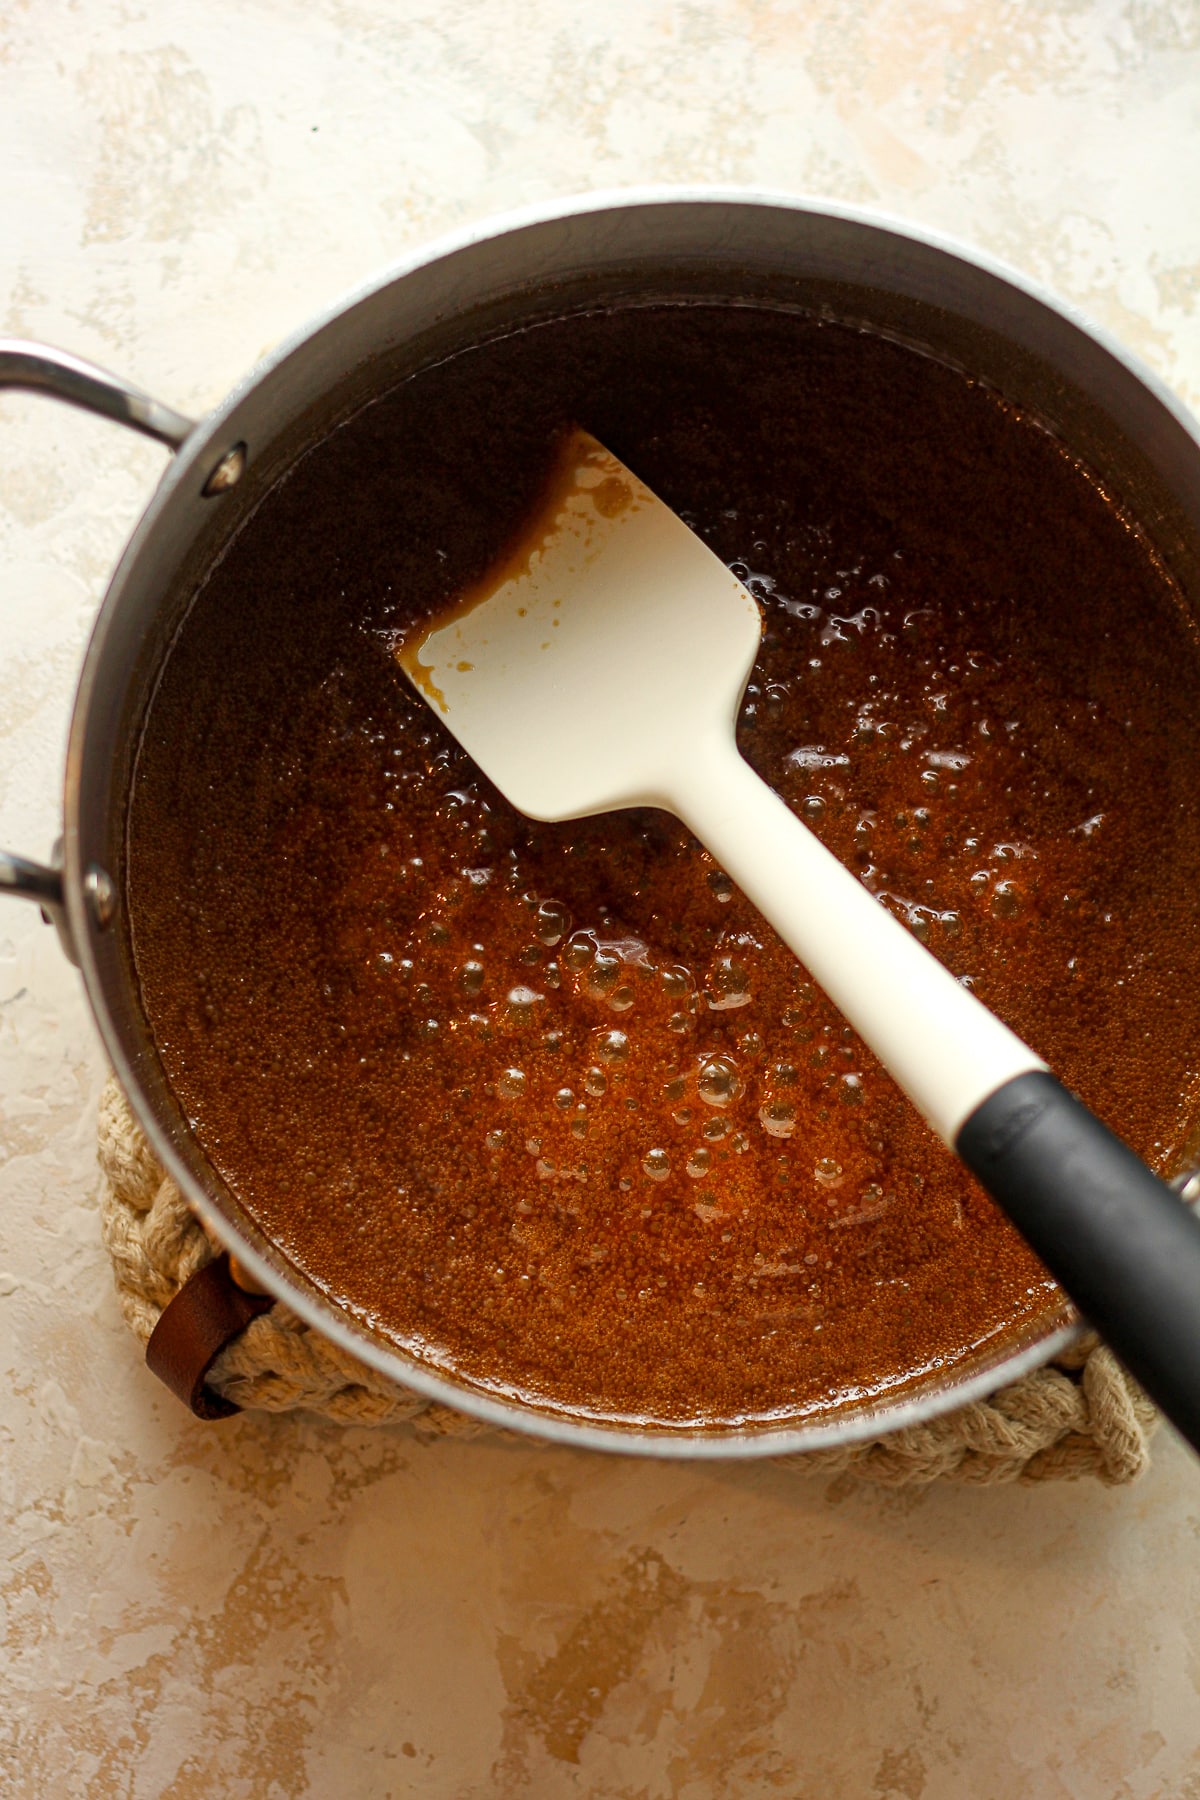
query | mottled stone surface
[283, 1609]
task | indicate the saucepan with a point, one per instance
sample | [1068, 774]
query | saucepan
[1112, 412]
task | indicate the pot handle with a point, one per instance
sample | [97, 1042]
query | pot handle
[40, 369]
[46, 371]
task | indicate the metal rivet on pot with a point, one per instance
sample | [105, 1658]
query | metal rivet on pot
[100, 893]
[227, 473]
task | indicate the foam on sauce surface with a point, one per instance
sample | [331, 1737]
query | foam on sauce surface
[550, 1105]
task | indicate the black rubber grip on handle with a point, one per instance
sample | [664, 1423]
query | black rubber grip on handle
[1121, 1243]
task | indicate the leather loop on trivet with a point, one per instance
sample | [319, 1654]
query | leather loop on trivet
[207, 1313]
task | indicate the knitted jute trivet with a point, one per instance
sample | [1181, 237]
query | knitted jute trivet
[1082, 1415]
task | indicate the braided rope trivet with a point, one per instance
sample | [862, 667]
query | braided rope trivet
[1083, 1415]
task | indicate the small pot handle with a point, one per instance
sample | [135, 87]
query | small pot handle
[42, 370]
[45, 371]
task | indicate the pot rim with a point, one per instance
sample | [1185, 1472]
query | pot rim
[204, 445]
[599, 200]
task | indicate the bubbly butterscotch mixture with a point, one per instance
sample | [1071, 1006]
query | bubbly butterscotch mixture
[551, 1106]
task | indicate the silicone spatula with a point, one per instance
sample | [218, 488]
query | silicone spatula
[600, 664]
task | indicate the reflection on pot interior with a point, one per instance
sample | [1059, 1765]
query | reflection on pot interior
[550, 1106]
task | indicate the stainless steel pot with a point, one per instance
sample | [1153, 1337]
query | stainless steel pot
[1110, 410]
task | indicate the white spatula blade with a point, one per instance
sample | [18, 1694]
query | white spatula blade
[600, 665]
[571, 672]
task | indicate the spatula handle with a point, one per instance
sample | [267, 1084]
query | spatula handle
[1121, 1243]
[946, 1050]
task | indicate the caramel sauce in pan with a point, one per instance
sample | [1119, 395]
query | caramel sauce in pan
[551, 1106]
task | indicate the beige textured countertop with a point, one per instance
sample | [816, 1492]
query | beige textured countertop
[280, 1609]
